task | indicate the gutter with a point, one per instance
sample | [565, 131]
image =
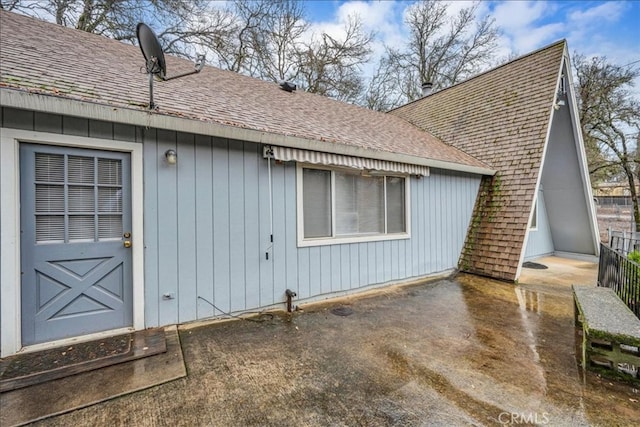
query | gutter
[21, 99]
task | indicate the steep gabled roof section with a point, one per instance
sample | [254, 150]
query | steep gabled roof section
[39, 58]
[501, 117]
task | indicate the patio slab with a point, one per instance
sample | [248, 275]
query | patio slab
[40, 401]
[561, 272]
[460, 351]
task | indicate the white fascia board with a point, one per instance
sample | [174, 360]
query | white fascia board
[21, 99]
[581, 151]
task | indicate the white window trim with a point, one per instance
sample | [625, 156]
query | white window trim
[534, 215]
[323, 241]
[10, 277]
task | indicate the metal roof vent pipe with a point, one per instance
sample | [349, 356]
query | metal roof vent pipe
[426, 88]
[288, 86]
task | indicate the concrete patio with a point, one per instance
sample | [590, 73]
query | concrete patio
[458, 351]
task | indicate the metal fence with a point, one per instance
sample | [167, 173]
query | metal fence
[613, 200]
[624, 242]
[617, 272]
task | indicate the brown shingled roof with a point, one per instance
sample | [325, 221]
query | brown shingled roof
[49, 59]
[500, 117]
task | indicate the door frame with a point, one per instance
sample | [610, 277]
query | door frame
[10, 276]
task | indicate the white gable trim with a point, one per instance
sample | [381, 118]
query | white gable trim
[582, 154]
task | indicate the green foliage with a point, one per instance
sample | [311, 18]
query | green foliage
[634, 256]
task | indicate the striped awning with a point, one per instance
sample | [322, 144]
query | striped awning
[286, 154]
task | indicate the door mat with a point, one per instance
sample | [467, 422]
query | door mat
[40, 401]
[23, 370]
[534, 265]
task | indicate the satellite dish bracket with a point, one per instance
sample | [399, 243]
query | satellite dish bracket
[198, 67]
[155, 62]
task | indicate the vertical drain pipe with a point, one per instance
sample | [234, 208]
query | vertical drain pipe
[269, 154]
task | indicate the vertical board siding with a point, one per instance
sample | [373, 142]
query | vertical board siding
[290, 237]
[221, 259]
[152, 297]
[75, 126]
[252, 240]
[204, 226]
[17, 119]
[236, 227]
[167, 223]
[207, 225]
[278, 259]
[265, 278]
[186, 227]
[45, 122]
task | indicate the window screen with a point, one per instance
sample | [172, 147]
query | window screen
[77, 198]
[359, 204]
[317, 202]
[396, 205]
[362, 205]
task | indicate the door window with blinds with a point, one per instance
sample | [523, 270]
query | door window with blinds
[340, 205]
[78, 198]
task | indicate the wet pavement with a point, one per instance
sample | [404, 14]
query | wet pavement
[460, 351]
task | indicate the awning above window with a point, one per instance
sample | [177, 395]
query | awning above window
[319, 158]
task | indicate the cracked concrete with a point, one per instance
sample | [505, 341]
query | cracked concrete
[460, 351]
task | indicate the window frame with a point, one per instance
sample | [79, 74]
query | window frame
[336, 240]
[533, 222]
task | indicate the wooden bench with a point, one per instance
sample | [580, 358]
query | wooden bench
[610, 333]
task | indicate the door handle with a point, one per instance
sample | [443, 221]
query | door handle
[127, 243]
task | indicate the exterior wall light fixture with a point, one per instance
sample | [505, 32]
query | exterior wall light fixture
[171, 156]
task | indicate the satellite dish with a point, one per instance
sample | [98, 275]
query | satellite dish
[154, 59]
[152, 51]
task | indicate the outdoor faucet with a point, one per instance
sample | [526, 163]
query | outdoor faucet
[290, 294]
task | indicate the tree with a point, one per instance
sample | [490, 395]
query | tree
[279, 42]
[330, 66]
[610, 118]
[439, 50]
[180, 31]
[272, 40]
[268, 39]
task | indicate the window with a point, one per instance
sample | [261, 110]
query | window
[534, 218]
[343, 206]
[77, 198]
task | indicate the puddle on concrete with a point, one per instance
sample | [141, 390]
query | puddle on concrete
[465, 351]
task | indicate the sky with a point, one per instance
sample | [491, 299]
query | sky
[591, 28]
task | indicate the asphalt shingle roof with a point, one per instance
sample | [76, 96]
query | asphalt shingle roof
[500, 117]
[49, 59]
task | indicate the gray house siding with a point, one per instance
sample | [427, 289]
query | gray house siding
[207, 225]
[540, 242]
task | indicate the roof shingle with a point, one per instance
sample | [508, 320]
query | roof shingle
[500, 117]
[49, 59]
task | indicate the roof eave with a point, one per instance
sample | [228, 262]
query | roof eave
[20, 99]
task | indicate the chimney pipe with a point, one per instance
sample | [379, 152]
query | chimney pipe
[426, 88]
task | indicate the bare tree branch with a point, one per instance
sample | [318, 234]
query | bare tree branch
[440, 50]
[610, 119]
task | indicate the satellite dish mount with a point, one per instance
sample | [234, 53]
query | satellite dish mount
[156, 65]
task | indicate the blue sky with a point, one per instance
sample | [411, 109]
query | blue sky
[609, 28]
